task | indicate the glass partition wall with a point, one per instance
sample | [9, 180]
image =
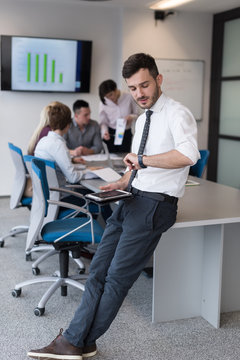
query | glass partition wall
[224, 122]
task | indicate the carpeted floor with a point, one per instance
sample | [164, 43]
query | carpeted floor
[131, 336]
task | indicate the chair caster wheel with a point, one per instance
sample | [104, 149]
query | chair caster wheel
[36, 271]
[2, 243]
[39, 311]
[56, 273]
[81, 271]
[16, 292]
[28, 257]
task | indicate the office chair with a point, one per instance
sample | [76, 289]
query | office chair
[17, 198]
[65, 235]
[34, 241]
[198, 169]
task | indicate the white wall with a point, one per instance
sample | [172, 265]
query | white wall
[19, 112]
[179, 36]
[115, 35]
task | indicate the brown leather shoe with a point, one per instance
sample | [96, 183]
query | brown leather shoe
[59, 348]
[89, 351]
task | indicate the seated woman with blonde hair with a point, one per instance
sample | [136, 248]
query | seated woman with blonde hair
[42, 129]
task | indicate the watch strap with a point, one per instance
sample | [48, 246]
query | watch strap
[140, 161]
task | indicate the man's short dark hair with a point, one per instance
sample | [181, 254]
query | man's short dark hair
[80, 104]
[59, 116]
[106, 87]
[139, 61]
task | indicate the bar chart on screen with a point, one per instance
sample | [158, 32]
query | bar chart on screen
[42, 63]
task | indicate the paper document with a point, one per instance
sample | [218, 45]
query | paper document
[191, 183]
[107, 174]
[116, 156]
[120, 130]
[79, 166]
[95, 157]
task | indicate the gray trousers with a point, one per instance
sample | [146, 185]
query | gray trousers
[129, 240]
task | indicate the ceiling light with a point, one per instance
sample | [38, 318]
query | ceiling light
[168, 4]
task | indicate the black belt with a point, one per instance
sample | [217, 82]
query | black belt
[156, 196]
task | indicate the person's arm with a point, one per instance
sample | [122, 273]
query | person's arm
[121, 184]
[63, 160]
[103, 122]
[169, 160]
[81, 150]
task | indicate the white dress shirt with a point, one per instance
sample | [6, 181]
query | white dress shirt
[172, 127]
[53, 147]
[109, 113]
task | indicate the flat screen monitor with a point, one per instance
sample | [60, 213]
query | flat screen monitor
[44, 64]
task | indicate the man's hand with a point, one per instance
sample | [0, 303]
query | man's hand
[111, 186]
[82, 150]
[118, 185]
[77, 151]
[131, 160]
[78, 160]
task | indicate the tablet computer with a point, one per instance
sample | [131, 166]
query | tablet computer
[107, 196]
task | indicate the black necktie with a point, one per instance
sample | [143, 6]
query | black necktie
[142, 144]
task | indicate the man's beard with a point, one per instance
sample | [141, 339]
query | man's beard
[153, 99]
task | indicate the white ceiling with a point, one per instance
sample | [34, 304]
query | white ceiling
[210, 6]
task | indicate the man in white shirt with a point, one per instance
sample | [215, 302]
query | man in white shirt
[136, 225]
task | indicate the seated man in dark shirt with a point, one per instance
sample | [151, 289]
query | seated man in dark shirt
[83, 136]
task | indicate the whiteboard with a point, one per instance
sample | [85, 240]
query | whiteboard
[183, 81]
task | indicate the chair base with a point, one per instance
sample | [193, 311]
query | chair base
[57, 283]
[13, 232]
[50, 252]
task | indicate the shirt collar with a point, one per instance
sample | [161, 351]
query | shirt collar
[76, 125]
[53, 134]
[157, 107]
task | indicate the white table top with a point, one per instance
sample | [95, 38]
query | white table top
[208, 203]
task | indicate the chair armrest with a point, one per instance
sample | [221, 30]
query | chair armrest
[67, 191]
[70, 206]
[76, 186]
[79, 209]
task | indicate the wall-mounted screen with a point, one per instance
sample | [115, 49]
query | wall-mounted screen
[44, 64]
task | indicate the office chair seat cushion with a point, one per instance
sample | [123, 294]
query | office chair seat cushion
[25, 201]
[55, 229]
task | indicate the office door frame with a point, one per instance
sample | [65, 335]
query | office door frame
[215, 89]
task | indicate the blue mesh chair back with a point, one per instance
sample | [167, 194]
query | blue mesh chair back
[17, 197]
[39, 168]
[198, 169]
[20, 179]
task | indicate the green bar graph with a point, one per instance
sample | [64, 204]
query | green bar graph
[45, 68]
[40, 70]
[53, 71]
[29, 67]
[37, 68]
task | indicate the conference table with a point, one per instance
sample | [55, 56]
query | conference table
[196, 268]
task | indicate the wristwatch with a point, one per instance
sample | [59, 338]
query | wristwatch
[141, 164]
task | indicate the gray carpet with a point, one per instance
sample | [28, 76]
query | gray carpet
[132, 336]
